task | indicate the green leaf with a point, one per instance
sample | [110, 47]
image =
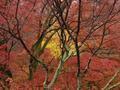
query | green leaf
[2, 68]
[2, 41]
[8, 73]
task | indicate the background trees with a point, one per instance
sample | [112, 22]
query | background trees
[62, 39]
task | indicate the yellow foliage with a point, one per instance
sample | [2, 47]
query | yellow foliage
[54, 46]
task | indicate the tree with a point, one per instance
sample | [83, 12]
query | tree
[81, 29]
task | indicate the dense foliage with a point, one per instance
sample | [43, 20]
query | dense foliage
[59, 44]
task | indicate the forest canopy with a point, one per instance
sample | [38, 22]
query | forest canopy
[59, 44]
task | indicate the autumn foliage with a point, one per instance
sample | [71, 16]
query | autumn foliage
[59, 44]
